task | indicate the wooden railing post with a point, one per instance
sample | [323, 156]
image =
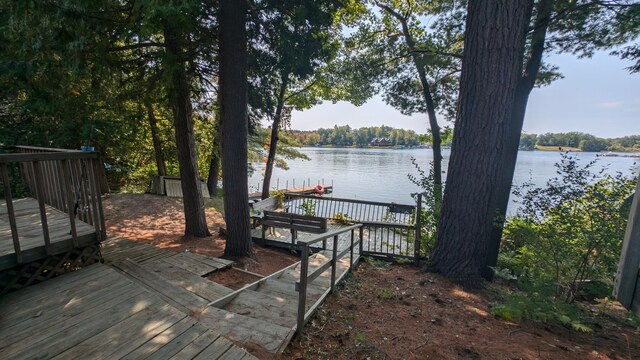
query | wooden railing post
[43, 211]
[334, 263]
[4, 174]
[63, 165]
[416, 246]
[302, 290]
[103, 230]
[361, 245]
[351, 251]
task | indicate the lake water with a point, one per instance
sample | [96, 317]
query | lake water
[382, 174]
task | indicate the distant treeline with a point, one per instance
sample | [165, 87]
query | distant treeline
[585, 142]
[346, 136]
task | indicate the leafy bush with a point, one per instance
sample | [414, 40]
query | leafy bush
[309, 207]
[570, 232]
[430, 210]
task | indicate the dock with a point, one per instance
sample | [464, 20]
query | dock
[305, 190]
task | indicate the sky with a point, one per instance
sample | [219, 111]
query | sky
[596, 96]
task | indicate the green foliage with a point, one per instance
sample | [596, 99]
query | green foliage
[536, 305]
[279, 194]
[528, 142]
[346, 136]
[585, 142]
[430, 208]
[377, 262]
[309, 207]
[386, 294]
[342, 219]
[570, 232]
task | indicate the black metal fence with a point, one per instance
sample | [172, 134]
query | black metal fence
[389, 229]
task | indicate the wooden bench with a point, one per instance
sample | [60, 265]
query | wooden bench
[293, 222]
[258, 209]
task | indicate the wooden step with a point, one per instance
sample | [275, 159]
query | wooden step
[282, 288]
[277, 309]
[245, 329]
[196, 284]
[177, 296]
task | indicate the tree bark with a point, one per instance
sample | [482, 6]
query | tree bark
[155, 138]
[428, 99]
[510, 155]
[216, 151]
[214, 170]
[491, 69]
[234, 125]
[275, 128]
[180, 99]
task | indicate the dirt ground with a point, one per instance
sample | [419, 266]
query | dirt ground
[159, 220]
[385, 311]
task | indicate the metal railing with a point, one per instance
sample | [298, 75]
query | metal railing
[390, 230]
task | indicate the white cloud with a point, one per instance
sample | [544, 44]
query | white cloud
[610, 104]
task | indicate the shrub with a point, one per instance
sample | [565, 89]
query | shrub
[570, 232]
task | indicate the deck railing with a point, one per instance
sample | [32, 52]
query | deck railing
[306, 278]
[391, 230]
[66, 180]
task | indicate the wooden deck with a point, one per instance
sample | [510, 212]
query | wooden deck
[100, 313]
[29, 226]
[150, 303]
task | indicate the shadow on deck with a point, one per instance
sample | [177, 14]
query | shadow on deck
[146, 302]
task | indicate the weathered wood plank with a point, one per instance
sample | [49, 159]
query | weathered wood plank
[135, 340]
[274, 308]
[215, 349]
[188, 280]
[161, 339]
[85, 277]
[196, 346]
[245, 329]
[182, 299]
[106, 342]
[211, 261]
[178, 343]
[45, 343]
[185, 262]
[235, 353]
[52, 306]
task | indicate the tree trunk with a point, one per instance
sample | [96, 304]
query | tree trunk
[214, 165]
[510, 155]
[235, 126]
[275, 128]
[214, 170]
[180, 99]
[155, 138]
[490, 72]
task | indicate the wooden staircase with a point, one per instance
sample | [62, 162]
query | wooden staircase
[262, 314]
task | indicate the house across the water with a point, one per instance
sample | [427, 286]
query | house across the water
[381, 142]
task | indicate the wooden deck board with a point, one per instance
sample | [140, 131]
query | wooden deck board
[245, 329]
[178, 276]
[187, 263]
[106, 315]
[179, 297]
[280, 310]
[30, 233]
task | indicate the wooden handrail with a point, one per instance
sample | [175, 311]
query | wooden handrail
[306, 278]
[28, 157]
